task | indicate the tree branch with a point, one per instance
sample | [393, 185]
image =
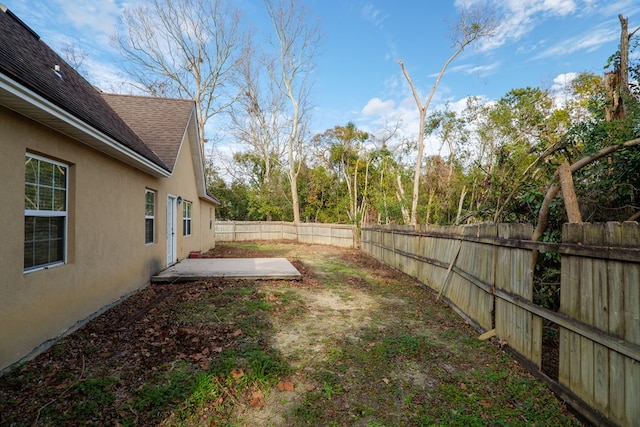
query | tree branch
[552, 192]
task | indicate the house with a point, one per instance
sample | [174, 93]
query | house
[100, 192]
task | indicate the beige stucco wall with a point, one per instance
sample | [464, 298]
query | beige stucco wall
[107, 256]
[182, 183]
[208, 226]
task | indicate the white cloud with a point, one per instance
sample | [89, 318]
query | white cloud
[470, 69]
[482, 70]
[559, 7]
[588, 41]
[373, 15]
[626, 7]
[462, 68]
[378, 107]
[522, 16]
[561, 81]
[98, 16]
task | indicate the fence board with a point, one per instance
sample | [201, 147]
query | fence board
[599, 319]
[604, 294]
[325, 234]
[585, 267]
[631, 236]
[521, 329]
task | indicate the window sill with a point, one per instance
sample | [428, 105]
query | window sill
[45, 267]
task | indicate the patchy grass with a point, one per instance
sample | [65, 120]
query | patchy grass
[353, 344]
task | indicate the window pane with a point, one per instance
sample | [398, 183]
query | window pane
[30, 196]
[45, 191]
[60, 177]
[56, 250]
[46, 173]
[29, 261]
[41, 229]
[45, 199]
[59, 200]
[148, 231]
[29, 225]
[150, 197]
[31, 170]
[41, 252]
[44, 241]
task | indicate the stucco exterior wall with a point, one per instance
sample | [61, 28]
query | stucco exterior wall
[208, 226]
[107, 257]
[183, 184]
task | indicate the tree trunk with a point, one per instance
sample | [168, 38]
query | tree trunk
[294, 197]
[400, 195]
[616, 82]
[460, 203]
[569, 193]
[614, 109]
[624, 60]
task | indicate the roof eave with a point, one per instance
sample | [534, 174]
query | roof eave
[28, 103]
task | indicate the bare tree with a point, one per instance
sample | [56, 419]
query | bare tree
[183, 48]
[75, 56]
[296, 40]
[475, 23]
[257, 116]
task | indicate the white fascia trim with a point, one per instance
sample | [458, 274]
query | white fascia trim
[50, 108]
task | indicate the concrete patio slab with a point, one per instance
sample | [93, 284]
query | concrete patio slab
[232, 268]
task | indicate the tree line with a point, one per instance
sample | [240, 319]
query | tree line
[537, 155]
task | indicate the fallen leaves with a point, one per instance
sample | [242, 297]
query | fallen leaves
[237, 373]
[484, 403]
[257, 400]
[286, 386]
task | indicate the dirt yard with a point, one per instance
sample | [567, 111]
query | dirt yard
[352, 344]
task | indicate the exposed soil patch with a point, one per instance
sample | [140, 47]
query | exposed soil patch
[353, 343]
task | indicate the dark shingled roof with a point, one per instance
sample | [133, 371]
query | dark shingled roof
[160, 122]
[30, 62]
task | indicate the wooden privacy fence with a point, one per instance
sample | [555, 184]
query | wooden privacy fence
[324, 234]
[486, 273]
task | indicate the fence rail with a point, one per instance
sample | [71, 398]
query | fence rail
[323, 234]
[488, 269]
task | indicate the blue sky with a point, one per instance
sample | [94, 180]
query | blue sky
[538, 43]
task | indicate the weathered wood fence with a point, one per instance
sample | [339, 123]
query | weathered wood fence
[324, 234]
[486, 273]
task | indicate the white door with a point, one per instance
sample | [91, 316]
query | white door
[172, 225]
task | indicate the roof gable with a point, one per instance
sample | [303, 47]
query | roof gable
[161, 123]
[31, 63]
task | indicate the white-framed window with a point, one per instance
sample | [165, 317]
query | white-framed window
[186, 218]
[45, 212]
[149, 216]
